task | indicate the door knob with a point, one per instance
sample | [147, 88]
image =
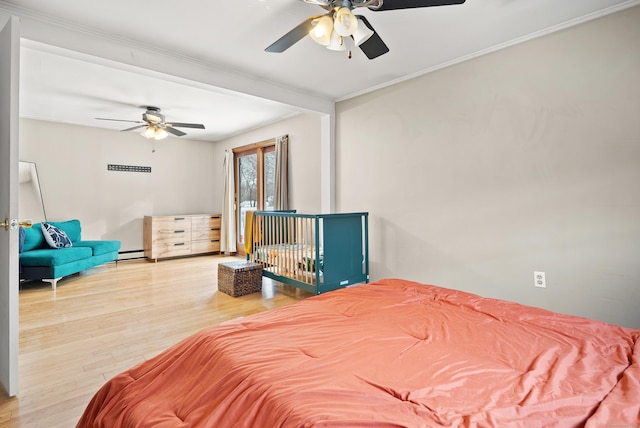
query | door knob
[14, 223]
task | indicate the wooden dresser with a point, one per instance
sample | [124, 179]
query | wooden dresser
[181, 235]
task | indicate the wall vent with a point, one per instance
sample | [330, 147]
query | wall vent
[128, 168]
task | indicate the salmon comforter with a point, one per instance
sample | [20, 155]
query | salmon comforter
[387, 354]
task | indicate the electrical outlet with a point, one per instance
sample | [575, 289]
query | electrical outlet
[539, 279]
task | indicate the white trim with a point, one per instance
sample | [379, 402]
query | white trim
[328, 163]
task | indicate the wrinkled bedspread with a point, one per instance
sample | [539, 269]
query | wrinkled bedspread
[391, 353]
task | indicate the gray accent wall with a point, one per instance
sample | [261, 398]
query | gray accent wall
[523, 160]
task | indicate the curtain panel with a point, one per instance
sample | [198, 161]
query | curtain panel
[228, 225]
[281, 185]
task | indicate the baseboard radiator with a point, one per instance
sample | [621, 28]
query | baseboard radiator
[130, 255]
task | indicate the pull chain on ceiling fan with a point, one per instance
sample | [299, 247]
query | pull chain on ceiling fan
[155, 125]
[338, 28]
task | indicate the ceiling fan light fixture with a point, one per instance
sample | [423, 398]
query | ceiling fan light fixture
[155, 126]
[154, 132]
[160, 134]
[362, 33]
[344, 22]
[337, 42]
[149, 132]
[321, 32]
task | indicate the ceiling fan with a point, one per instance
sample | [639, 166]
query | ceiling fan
[339, 26]
[155, 126]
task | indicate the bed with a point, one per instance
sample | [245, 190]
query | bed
[314, 252]
[391, 353]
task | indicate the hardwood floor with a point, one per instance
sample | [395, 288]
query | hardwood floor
[109, 318]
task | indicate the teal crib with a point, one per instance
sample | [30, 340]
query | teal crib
[314, 252]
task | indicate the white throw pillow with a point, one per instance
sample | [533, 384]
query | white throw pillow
[55, 237]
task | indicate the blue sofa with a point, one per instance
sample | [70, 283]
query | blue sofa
[40, 261]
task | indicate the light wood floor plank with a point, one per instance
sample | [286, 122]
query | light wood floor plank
[110, 318]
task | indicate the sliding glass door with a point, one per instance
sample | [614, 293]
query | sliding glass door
[255, 181]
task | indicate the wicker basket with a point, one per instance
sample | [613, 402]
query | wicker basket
[239, 278]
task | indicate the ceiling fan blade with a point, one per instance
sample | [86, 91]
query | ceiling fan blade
[409, 4]
[133, 127]
[119, 120]
[174, 131]
[374, 46]
[186, 125]
[293, 36]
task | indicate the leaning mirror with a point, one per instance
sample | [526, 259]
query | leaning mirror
[30, 202]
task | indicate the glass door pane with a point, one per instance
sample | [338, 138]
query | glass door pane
[247, 189]
[269, 179]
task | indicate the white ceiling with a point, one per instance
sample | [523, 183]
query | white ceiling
[228, 38]
[59, 86]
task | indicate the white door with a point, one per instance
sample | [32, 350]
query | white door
[9, 71]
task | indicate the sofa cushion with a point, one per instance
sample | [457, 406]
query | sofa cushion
[55, 237]
[33, 238]
[54, 257]
[71, 227]
[99, 247]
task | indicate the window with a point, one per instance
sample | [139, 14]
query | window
[255, 169]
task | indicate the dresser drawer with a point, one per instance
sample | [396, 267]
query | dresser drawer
[171, 235]
[205, 246]
[205, 222]
[171, 222]
[168, 249]
[205, 234]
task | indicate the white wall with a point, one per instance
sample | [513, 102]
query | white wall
[525, 159]
[72, 166]
[304, 158]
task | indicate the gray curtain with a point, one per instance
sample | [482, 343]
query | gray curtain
[228, 226]
[281, 189]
